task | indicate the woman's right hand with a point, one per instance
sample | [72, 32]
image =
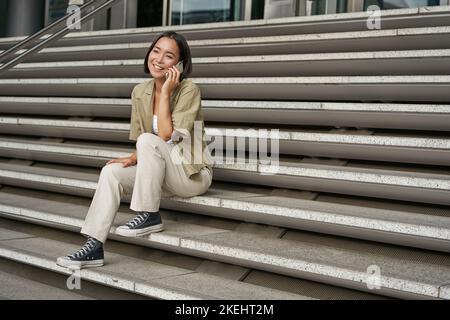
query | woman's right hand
[126, 162]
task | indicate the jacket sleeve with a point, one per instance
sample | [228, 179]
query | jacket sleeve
[135, 128]
[185, 112]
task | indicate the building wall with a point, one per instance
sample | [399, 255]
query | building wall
[3, 17]
[24, 17]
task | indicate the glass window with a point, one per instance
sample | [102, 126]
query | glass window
[258, 9]
[315, 7]
[203, 11]
[3, 17]
[56, 10]
[149, 13]
[396, 4]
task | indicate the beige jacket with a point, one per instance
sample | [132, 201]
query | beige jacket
[185, 107]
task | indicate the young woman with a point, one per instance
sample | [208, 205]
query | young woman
[171, 156]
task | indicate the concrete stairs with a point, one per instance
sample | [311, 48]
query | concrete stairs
[362, 185]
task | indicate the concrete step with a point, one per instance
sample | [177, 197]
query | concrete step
[379, 180]
[26, 282]
[428, 88]
[431, 117]
[141, 249]
[164, 282]
[436, 37]
[18, 288]
[413, 225]
[373, 145]
[354, 21]
[364, 144]
[406, 62]
[402, 274]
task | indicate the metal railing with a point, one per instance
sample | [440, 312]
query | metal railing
[57, 30]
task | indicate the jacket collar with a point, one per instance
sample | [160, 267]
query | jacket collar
[148, 101]
[151, 85]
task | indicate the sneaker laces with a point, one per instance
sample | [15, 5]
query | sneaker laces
[137, 220]
[88, 246]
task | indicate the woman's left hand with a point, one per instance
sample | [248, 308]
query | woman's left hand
[172, 81]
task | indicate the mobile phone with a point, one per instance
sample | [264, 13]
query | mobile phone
[179, 66]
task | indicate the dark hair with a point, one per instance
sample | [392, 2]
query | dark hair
[185, 52]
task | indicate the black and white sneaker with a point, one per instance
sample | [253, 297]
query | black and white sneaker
[90, 255]
[143, 224]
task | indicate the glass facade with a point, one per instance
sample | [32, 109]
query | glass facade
[257, 9]
[203, 11]
[149, 13]
[398, 4]
[56, 9]
[3, 16]
[326, 6]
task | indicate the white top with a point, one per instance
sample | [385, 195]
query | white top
[175, 133]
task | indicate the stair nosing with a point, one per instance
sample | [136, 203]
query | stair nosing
[390, 282]
[306, 213]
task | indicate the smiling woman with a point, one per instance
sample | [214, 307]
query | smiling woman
[163, 111]
[166, 50]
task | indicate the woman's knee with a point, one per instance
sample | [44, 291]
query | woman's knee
[113, 171]
[146, 140]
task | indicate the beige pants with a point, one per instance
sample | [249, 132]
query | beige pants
[156, 175]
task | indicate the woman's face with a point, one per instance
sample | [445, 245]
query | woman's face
[164, 54]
